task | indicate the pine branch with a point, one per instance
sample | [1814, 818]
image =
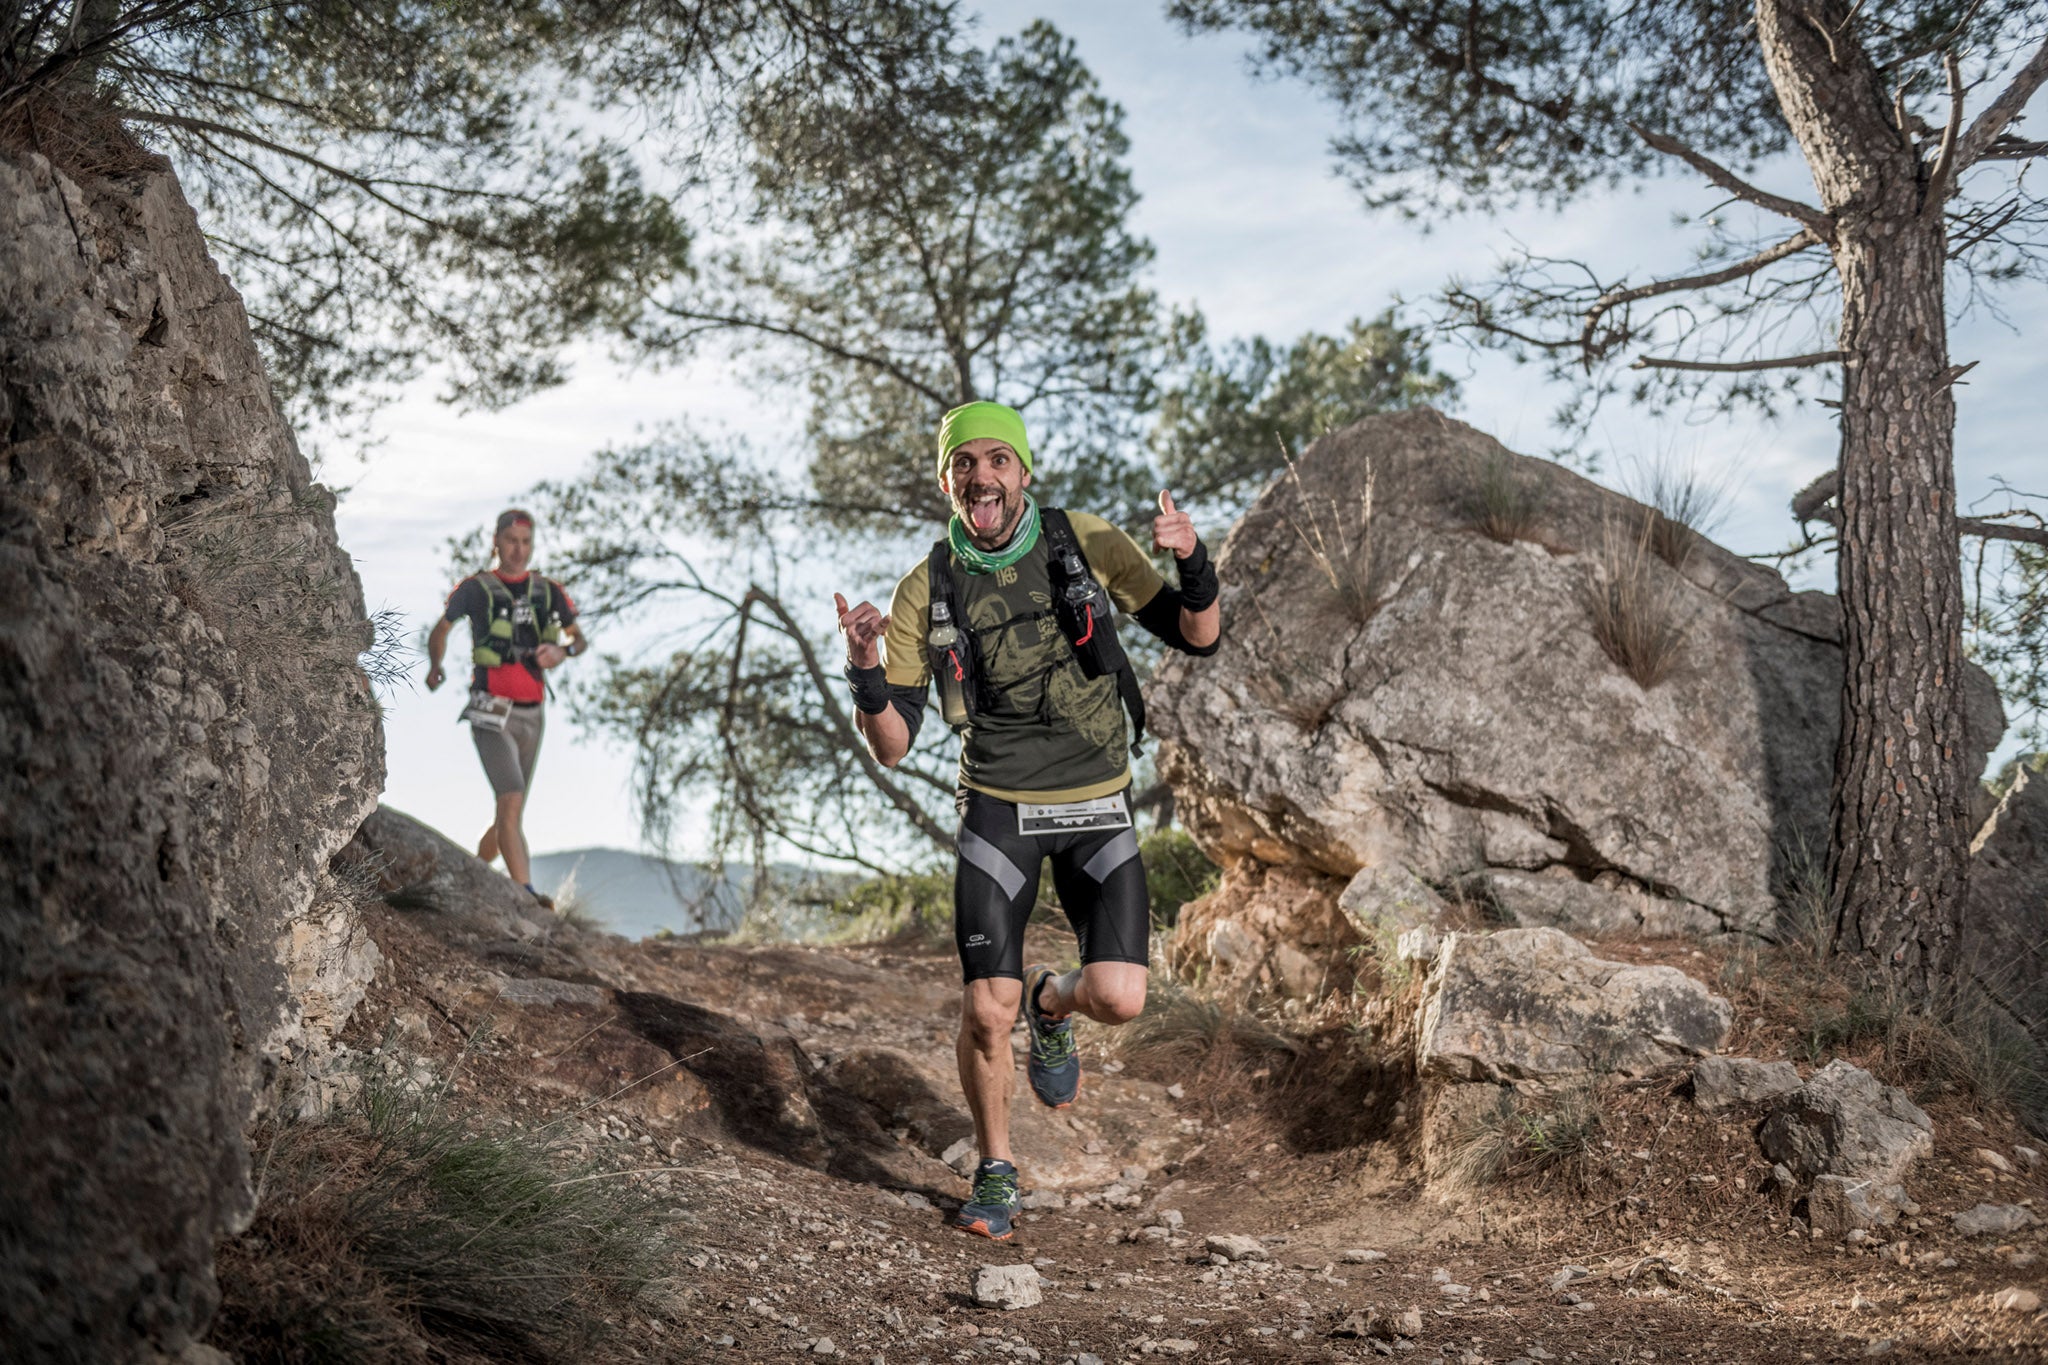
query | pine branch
[2003, 110]
[1739, 366]
[1818, 222]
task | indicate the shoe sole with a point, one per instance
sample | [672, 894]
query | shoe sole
[980, 1227]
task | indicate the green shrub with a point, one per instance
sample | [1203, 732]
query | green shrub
[918, 904]
[1176, 872]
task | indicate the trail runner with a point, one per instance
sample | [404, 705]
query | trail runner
[1009, 614]
[518, 622]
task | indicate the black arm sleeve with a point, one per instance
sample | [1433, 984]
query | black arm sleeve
[1161, 616]
[909, 704]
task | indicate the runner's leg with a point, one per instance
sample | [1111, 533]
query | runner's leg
[988, 1069]
[1101, 882]
[511, 838]
[487, 847]
[995, 885]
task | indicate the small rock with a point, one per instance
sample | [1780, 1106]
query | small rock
[1174, 1346]
[1043, 1201]
[1454, 1291]
[1008, 1287]
[1989, 1218]
[1859, 1304]
[1093, 1147]
[1234, 1247]
[839, 1020]
[1409, 1323]
[961, 1150]
[1367, 1323]
[1440, 1276]
[913, 1200]
[2021, 1260]
[1171, 1218]
[1176, 1091]
[2016, 1300]
[1134, 1176]
[1727, 1085]
[1361, 1256]
[1086, 1359]
[1567, 1275]
[824, 1346]
[1839, 1205]
[2029, 1158]
[1986, 1157]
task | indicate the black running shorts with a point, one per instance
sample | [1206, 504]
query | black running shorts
[1100, 880]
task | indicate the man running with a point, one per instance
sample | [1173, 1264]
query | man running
[517, 623]
[1010, 607]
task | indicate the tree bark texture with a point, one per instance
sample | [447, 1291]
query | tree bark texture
[1897, 853]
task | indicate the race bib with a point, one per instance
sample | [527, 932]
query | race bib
[1104, 812]
[487, 712]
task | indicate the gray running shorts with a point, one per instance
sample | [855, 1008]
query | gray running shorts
[510, 754]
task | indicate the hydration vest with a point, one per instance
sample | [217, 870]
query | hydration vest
[501, 643]
[1090, 634]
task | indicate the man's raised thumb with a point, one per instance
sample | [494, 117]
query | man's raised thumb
[839, 601]
[1165, 502]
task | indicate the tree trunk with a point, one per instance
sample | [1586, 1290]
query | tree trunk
[1897, 854]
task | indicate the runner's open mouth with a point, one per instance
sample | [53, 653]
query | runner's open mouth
[985, 512]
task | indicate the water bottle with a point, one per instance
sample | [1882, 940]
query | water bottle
[1083, 613]
[948, 663]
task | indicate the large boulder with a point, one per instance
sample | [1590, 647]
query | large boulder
[188, 738]
[1845, 1122]
[1398, 689]
[1535, 1006]
[2005, 938]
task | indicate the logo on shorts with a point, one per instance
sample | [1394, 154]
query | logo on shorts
[977, 940]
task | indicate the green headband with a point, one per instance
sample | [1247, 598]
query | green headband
[976, 420]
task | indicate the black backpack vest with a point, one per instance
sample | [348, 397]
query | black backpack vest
[1080, 605]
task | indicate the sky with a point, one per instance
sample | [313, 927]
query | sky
[1239, 197]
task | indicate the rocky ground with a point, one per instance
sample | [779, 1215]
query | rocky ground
[796, 1105]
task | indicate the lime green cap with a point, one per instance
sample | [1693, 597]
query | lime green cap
[972, 421]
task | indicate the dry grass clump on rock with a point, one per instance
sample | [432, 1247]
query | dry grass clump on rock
[1338, 537]
[1503, 506]
[390, 1229]
[1688, 507]
[1637, 603]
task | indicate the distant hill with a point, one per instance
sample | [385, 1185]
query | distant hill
[635, 894]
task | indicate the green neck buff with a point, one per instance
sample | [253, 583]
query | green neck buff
[979, 561]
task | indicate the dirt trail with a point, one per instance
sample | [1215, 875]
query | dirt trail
[798, 1101]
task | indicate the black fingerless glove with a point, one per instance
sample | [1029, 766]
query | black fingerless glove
[1198, 585]
[870, 688]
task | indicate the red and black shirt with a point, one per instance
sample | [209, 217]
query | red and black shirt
[536, 604]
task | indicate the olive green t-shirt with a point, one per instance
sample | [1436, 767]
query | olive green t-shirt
[1050, 734]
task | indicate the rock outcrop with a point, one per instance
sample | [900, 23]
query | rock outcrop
[1398, 689]
[188, 739]
[2005, 936]
[1853, 1139]
[1535, 1005]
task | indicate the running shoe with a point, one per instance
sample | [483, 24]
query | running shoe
[993, 1203]
[1054, 1068]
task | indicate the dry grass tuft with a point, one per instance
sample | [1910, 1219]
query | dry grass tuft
[390, 1229]
[1503, 507]
[76, 131]
[1339, 540]
[1688, 507]
[1522, 1136]
[1637, 604]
